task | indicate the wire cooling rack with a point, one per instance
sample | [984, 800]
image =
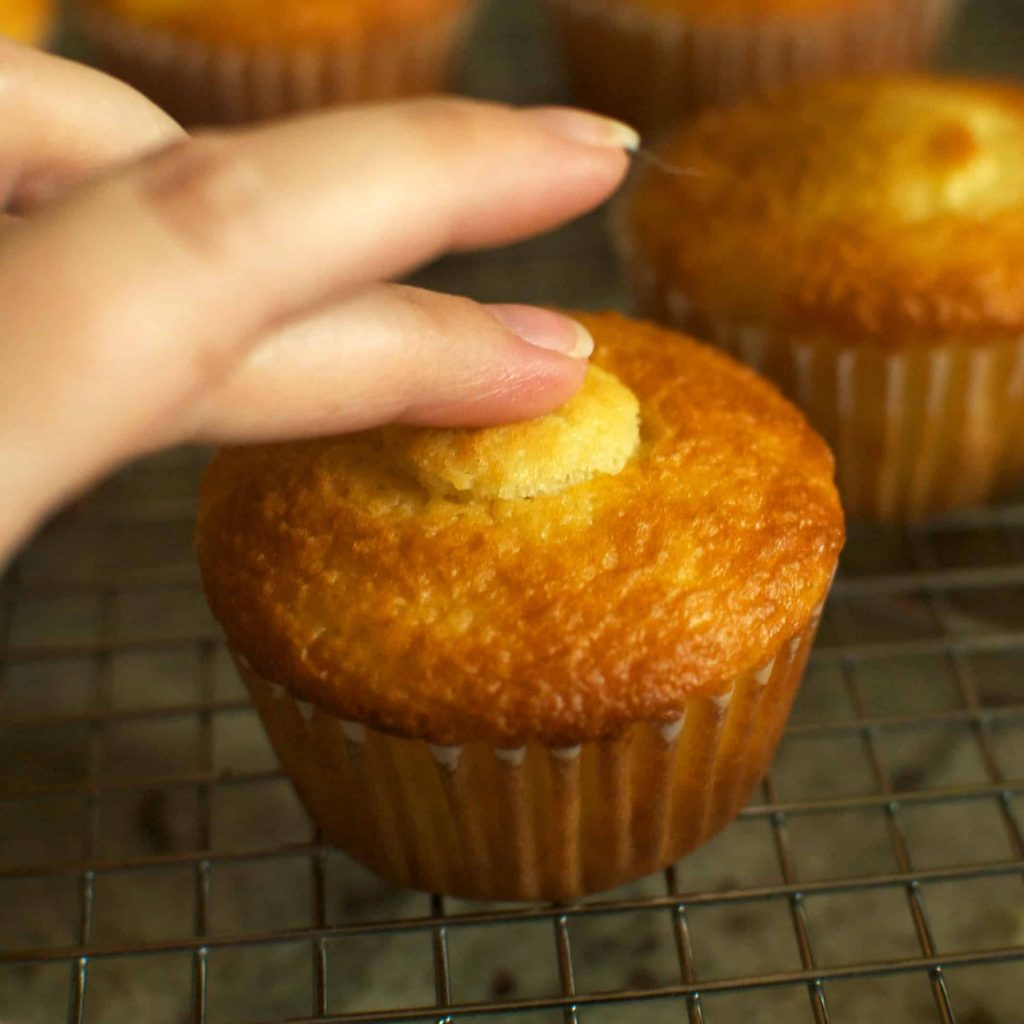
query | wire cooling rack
[155, 866]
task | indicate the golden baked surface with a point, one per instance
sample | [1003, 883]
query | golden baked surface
[28, 21]
[886, 211]
[340, 568]
[276, 22]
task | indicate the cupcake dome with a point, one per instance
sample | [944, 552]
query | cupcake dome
[591, 578]
[860, 242]
[644, 567]
[651, 62]
[243, 60]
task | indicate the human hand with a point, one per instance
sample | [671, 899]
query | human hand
[227, 287]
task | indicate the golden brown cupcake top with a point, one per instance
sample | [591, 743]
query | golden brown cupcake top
[752, 10]
[887, 211]
[666, 531]
[279, 22]
[27, 21]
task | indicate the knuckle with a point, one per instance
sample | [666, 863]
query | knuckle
[207, 191]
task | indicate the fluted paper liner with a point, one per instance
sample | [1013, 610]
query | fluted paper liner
[650, 67]
[203, 83]
[533, 823]
[915, 431]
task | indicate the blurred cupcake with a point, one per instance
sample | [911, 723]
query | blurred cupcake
[537, 660]
[27, 21]
[242, 60]
[651, 61]
[861, 244]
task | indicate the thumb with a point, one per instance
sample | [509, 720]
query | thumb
[394, 353]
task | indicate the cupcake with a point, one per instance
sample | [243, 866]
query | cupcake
[860, 243]
[539, 660]
[27, 21]
[651, 61]
[243, 60]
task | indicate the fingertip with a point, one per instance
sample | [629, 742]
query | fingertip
[518, 362]
[546, 329]
[586, 127]
[527, 385]
[399, 354]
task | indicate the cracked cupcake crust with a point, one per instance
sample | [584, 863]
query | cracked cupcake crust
[344, 570]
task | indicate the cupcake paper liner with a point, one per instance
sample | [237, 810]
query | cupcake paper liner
[915, 432]
[199, 83]
[535, 822]
[650, 67]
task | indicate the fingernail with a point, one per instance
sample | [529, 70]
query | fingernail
[545, 329]
[583, 126]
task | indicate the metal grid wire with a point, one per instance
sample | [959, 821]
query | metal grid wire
[885, 846]
[154, 864]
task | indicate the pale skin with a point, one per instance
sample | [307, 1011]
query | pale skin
[159, 289]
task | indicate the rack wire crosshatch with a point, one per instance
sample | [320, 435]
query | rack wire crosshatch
[898, 866]
[155, 865]
[923, 825]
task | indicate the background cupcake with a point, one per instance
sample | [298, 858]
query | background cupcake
[27, 21]
[537, 660]
[242, 60]
[859, 242]
[650, 61]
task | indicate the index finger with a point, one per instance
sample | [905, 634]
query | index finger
[136, 292]
[224, 235]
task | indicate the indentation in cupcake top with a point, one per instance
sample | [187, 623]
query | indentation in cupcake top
[595, 432]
